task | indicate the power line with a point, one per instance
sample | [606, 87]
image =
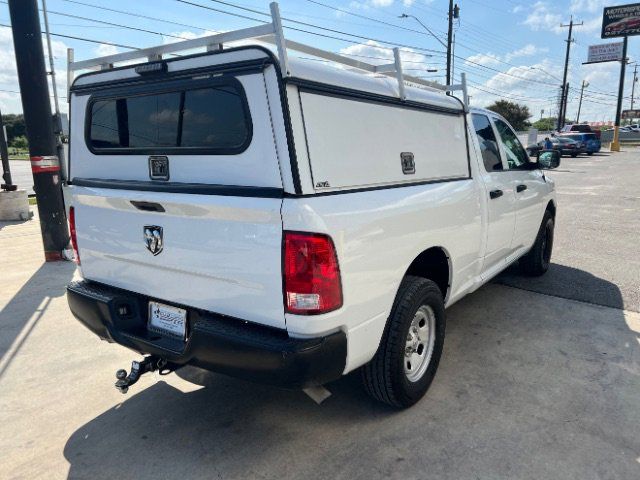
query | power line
[132, 14]
[89, 40]
[78, 17]
[360, 37]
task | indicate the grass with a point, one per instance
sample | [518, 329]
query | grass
[18, 154]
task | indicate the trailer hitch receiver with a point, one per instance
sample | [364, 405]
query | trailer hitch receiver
[150, 363]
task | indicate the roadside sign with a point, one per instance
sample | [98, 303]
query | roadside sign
[621, 21]
[607, 52]
[631, 113]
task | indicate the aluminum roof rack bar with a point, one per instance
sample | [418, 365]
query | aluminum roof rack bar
[270, 33]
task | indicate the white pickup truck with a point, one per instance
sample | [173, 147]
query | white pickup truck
[291, 224]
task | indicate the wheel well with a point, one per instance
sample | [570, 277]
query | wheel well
[434, 265]
[551, 207]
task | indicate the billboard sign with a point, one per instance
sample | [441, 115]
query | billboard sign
[607, 52]
[621, 21]
[631, 114]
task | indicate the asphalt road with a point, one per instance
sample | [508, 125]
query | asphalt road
[21, 175]
[596, 255]
[530, 385]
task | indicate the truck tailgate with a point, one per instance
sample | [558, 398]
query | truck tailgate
[219, 253]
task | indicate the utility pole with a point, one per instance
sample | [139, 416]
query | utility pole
[563, 96]
[633, 85]
[454, 12]
[36, 106]
[615, 145]
[584, 85]
[565, 101]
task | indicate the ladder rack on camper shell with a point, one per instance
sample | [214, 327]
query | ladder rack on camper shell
[269, 33]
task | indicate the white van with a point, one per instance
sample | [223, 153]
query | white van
[288, 221]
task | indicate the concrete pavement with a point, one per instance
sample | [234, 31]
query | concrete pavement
[596, 255]
[530, 386]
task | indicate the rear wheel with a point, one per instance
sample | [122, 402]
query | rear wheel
[407, 359]
[574, 155]
[537, 261]
[589, 153]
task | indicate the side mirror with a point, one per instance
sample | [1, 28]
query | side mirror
[549, 159]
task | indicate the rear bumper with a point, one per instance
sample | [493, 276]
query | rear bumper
[214, 342]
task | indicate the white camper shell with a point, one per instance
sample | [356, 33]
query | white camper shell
[189, 175]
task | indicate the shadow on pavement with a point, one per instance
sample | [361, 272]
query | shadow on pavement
[4, 223]
[22, 313]
[529, 386]
[566, 282]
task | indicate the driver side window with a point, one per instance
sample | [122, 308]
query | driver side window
[516, 155]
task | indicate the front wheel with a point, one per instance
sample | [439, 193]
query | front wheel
[536, 262]
[405, 364]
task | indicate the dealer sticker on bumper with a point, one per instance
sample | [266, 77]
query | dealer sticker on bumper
[167, 319]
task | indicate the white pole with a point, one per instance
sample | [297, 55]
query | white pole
[51, 66]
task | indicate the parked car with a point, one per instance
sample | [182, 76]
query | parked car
[293, 225]
[589, 142]
[580, 128]
[565, 146]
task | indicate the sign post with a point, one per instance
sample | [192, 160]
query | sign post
[620, 21]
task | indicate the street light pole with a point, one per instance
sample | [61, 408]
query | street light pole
[404, 15]
[563, 95]
[633, 85]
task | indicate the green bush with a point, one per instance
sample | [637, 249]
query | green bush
[20, 143]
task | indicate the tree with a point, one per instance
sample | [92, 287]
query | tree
[20, 143]
[15, 126]
[517, 115]
[547, 123]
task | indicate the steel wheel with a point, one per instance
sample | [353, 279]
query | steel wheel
[419, 343]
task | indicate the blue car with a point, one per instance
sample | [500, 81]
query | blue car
[590, 143]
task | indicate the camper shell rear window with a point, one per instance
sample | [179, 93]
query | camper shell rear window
[209, 116]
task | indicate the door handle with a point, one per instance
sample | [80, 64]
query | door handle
[521, 188]
[495, 193]
[147, 206]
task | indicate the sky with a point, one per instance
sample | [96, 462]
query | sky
[509, 49]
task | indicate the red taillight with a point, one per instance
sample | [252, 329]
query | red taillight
[72, 231]
[311, 274]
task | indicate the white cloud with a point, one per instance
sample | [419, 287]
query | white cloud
[590, 6]
[374, 53]
[542, 17]
[487, 59]
[10, 102]
[105, 49]
[491, 59]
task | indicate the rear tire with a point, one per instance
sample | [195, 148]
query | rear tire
[574, 155]
[536, 262]
[589, 153]
[405, 364]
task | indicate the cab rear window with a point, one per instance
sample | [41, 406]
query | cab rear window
[210, 119]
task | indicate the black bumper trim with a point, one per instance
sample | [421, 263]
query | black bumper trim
[215, 342]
